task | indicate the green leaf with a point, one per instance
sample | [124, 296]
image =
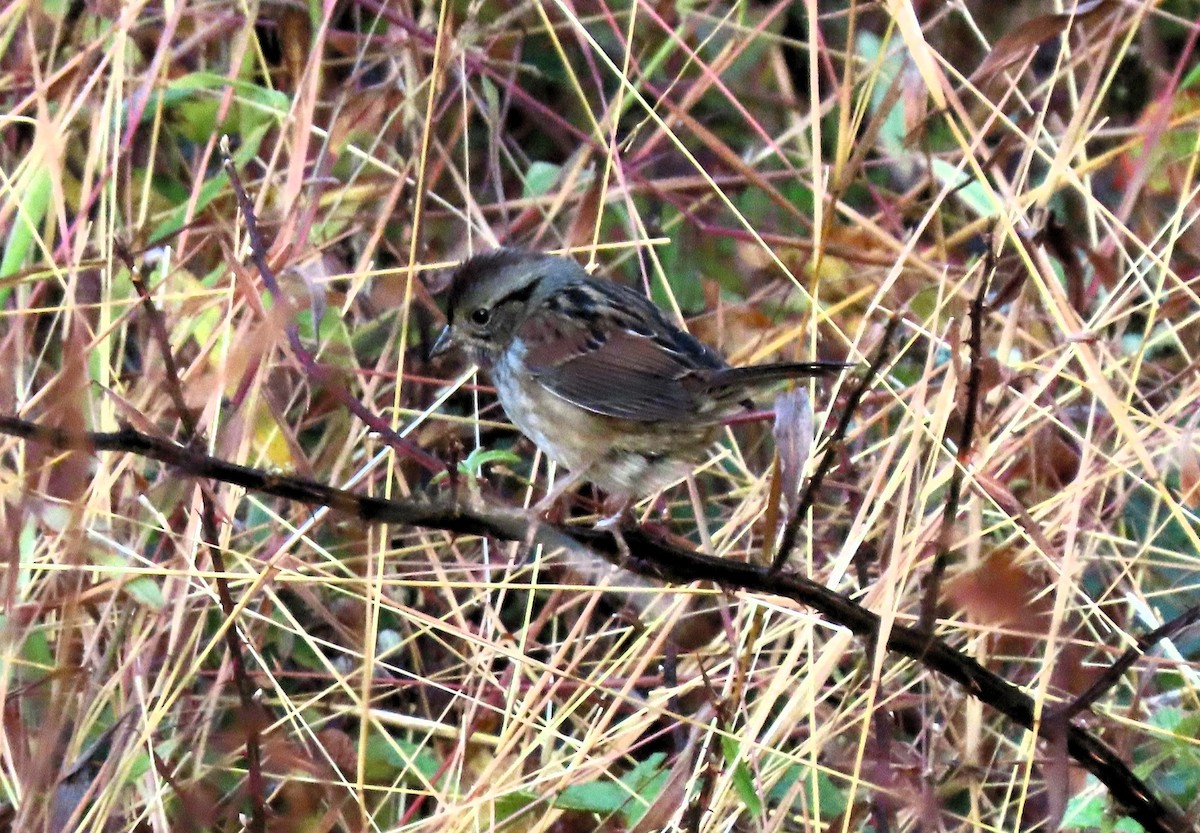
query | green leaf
[824, 797]
[270, 101]
[891, 133]
[683, 276]
[970, 193]
[646, 782]
[604, 797]
[480, 457]
[509, 804]
[743, 778]
[142, 589]
[1092, 812]
[31, 198]
[1191, 79]
[631, 796]
[473, 465]
[389, 758]
[539, 179]
[490, 94]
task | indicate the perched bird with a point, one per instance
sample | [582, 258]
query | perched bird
[594, 373]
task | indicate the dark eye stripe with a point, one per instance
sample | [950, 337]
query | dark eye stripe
[521, 294]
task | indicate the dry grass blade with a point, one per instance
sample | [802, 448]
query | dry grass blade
[782, 179]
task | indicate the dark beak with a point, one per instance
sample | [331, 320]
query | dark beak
[444, 342]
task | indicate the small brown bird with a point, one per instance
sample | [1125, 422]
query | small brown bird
[594, 373]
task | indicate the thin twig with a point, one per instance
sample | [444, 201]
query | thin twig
[787, 541]
[315, 370]
[158, 331]
[255, 784]
[933, 585]
[1113, 674]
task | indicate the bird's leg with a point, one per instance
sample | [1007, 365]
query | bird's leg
[613, 521]
[543, 510]
[616, 511]
[657, 517]
[542, 507]
[658, 510]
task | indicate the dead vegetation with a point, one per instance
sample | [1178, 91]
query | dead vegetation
[1005, 530]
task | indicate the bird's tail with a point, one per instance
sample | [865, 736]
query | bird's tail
[765, 374]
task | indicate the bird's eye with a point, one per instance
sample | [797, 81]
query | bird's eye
[480, 316]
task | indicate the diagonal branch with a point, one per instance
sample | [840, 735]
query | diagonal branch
[653, 557]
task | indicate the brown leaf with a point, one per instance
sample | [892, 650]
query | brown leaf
[1020, 43]
[295, 35]
[587, 213]
[340, 749]
[991, 375]
[731, 325]
[1104, 268]
[65, 475]
[998, 591]
[1060, 242]
[198, 807]
[366, 112]
[308, 279]
[1049, 461]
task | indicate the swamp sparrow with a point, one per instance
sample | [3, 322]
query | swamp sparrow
[594, 373]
